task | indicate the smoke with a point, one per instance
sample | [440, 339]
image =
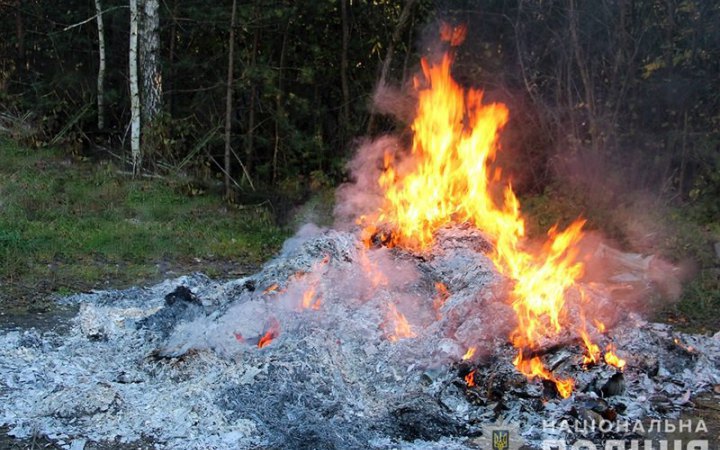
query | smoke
[362, 195]
[376, 289]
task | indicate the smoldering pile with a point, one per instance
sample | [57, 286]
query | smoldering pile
[330, 345]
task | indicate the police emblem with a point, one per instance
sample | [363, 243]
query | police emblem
[499, 435]
[500, 439]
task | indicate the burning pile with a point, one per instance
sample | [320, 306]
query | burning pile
[450, 180]
[433, 318]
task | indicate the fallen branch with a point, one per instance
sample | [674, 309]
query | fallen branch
[75, 25]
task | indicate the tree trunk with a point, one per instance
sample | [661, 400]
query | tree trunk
[345, 110]
[21, 57]
[280, 101]
[385, 68]
[150, 61]
[406, 61]
[585, 77]
[228, 99]
[134, 90]
[249, 137]
[101, 67]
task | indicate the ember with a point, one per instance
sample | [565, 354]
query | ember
[470, 379]
[311, 299]
[272, 332]
[400, 328]
[272, 288]
[440, 298]
[469, 353]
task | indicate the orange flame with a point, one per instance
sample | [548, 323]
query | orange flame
[599, 325]
[440, 298]
[401, 328]
[272, 288]
[454, 35]
[272, 332]
[534, 368]
[451, 180]
[470, 378]
[469, 354]
[310, 299]
[375, 276]
[612, 359]
[593, 351]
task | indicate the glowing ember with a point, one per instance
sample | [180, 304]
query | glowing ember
[375, 276]
[272, 332]
[687, 348]
[272, 288]
[399, 325]
[440, 298]
[451, 180]
[470, 378]
[469, 354]
[310, 299]
[612, 359]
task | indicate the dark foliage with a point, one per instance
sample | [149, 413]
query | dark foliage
[610, 95]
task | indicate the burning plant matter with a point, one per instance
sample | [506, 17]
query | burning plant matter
[429, 318]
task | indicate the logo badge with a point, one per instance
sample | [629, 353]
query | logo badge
[500, 439]
[500, 435]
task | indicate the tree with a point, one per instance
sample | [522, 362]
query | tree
[150, 61]
[101, 67]
[345, 118]
[387, 61]
[134, 90]
[228, 98]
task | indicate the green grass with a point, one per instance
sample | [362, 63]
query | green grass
[68, 224]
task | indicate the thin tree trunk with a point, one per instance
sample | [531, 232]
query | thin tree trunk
[101, 67]
[134, 90]
[584, 76]
[279, 101]
[345, 110]
[387, 62]
[228, 99]
[21, 61]
[249, 137]
[406, 61]
[150, 61]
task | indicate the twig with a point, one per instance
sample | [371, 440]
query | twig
[247, 175]
[144, 175]
[69, 27]
[222, 169]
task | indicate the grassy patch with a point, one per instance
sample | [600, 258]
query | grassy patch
[68, 225]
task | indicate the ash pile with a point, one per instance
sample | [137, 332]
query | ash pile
[332, 345]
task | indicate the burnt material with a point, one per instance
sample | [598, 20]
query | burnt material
[180, 305]
[181, 364]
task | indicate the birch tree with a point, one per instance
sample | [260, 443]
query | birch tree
[101, 67]
[134, 89]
